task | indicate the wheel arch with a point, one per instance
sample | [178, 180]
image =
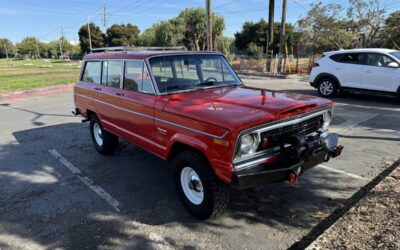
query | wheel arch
[327, 75]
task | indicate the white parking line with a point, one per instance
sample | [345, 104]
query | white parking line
[357, 123]
[340, 172]
[87, 181]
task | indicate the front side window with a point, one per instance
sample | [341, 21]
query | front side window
[137, 78]
[92, 72]
[352, 58]
[396, 54]
[191, 72]
[378, 60]
[112, 73]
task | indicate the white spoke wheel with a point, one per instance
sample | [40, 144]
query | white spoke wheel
[104, 142]
[327, 87]
[200, 191]
[98, 134]
[192, 185]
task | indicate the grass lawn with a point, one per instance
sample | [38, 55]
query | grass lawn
[18, 76]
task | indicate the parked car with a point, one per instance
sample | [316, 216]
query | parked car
[357, 70]
[191, 108]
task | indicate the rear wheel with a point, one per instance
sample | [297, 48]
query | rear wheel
[327, 87]
[200, 191]
[104, 142]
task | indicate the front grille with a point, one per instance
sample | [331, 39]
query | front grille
[277, 135]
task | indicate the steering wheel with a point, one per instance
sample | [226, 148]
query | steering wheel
[211, 79]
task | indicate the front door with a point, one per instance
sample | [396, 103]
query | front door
[136, 101]
[377, 75]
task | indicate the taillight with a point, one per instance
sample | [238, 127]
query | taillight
[315, 65]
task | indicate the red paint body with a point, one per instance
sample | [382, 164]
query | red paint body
[157, 122]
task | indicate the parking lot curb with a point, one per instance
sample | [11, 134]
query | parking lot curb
[35, 92]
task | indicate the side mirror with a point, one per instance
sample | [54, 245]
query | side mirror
[393, 65]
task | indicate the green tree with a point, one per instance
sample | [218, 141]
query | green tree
[324, 29]
[256, 35]
[29, 47]
[188, 29]
[370, 18]
[97, 37]
[192, 23]
[390, 35]
[5, 43]
[123, 35]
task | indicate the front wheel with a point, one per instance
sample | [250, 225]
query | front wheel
[200, 191]
[327, 87]
[104, 142]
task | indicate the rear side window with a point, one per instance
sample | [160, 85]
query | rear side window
[92, 72]
[352, 58]
[137, 78]
[112, 73]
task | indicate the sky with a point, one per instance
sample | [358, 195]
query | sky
[45, 19]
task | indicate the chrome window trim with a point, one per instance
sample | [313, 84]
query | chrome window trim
[273, 125]
[157, 119]
[144, 65]
[84, 67]
[147, 60]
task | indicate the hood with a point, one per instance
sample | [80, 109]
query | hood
[238, 107]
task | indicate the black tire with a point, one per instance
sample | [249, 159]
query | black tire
[110, 141]
[216, 193]
[331, 84]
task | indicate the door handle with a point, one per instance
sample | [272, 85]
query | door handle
[119, 94]
[368, 71]
[97, 88]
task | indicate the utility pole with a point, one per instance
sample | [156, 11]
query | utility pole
[37, 48]
[90, 38]
[60, 41]
[270, 33]
[283, 35]
[271, 11]
[5, 48]
[105, 18]
[209, 26]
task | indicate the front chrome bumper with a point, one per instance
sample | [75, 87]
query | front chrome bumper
[259, 173]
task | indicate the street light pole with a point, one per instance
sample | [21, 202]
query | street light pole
[90, 38]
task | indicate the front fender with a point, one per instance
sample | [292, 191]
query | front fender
[222, 169]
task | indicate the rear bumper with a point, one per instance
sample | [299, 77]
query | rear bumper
[266, 173]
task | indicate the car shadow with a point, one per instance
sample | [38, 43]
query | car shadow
[45, 204]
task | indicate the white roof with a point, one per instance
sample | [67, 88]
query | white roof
[361, 50]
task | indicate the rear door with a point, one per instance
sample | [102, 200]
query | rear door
[377, 75]
[349, 69]
[111, 80]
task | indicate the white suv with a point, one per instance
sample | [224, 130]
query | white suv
[372, 70]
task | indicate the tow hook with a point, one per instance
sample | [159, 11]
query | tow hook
[337, 151]
[333, 150]
[294, 177]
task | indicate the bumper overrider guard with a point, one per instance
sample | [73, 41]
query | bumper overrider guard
[297, 154]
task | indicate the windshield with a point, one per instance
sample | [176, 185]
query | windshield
[189, 72]
[396, 54]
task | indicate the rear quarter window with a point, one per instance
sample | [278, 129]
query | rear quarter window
[336, 57]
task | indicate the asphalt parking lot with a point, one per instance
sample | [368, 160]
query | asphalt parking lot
[57, 192]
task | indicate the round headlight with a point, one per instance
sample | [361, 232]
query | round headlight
[327, 119]
[248, 145]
